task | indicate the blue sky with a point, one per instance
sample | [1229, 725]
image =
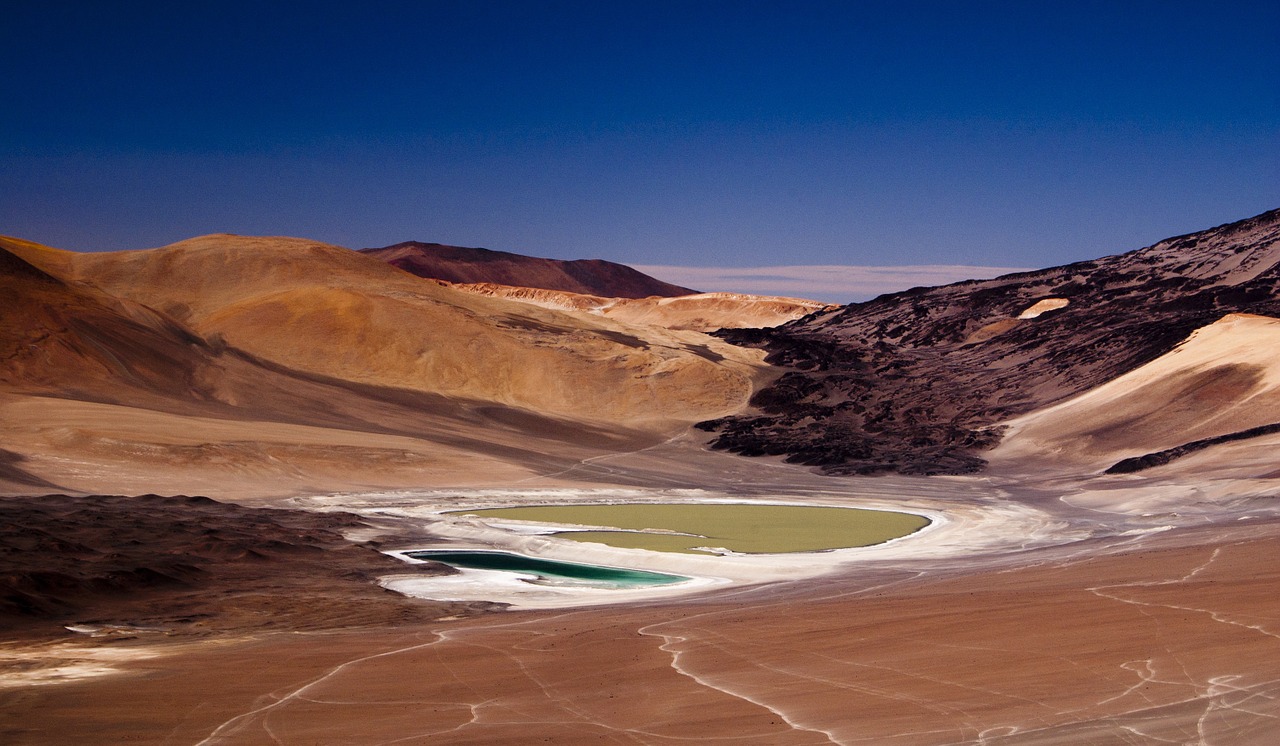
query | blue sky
[714, 134]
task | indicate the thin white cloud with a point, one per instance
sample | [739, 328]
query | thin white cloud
[830, 283]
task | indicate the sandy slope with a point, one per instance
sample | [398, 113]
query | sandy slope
[82, 446]
[1224, 378]
[59, 335]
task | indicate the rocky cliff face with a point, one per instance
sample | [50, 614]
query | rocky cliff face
[465, 265]
[916, 382]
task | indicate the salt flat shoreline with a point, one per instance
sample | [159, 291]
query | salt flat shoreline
[953, 530]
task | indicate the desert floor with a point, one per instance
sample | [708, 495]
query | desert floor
[1044, 609]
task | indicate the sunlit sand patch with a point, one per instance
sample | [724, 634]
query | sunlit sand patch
[1043, 306]
[59, 664]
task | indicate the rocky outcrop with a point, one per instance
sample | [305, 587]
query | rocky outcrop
[1160, 458]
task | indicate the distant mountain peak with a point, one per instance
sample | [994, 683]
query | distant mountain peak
[460, 264]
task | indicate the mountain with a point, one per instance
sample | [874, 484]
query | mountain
[464, 265]
[329, 311]
[1119, 550]
[282, 352]
[916, 382]
[299, 364]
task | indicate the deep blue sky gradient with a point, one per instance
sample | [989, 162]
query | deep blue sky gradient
[695, 133]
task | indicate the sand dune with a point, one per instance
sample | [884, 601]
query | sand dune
[1224, 378]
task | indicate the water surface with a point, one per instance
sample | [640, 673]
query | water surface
[550, 572]
[738, 527]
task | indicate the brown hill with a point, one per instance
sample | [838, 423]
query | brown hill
[100, 390]
[61, 337]
[916, 381]
[225, 362]
[330, 311]
[458, 264]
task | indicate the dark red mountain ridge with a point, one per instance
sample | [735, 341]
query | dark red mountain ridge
[467, 265]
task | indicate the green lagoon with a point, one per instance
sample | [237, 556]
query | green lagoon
[745, 528]
[549, 572]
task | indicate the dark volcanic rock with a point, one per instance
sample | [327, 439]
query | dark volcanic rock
[1160, 458]
[915, 382]
[464, 265]
[190, 565]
